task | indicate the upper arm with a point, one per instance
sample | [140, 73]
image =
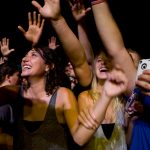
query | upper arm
[83, 74]
[83, 100]
[70, 110]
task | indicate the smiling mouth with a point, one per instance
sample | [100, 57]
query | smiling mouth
[103, 70]
[26, 67]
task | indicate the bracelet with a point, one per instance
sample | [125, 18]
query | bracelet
[94, 2]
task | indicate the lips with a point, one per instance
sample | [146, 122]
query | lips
[26, 67]
[103, 69]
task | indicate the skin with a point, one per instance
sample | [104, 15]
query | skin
[71, 45]
[85, 100]
[113, 42]
[66, 104]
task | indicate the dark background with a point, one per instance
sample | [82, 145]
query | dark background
[132, 17]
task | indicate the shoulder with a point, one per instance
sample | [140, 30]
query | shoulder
[66, 97]
[64, 90]
[84, 94]
[84, 99]
[65, 93]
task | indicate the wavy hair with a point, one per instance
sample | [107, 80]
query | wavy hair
[54, 77]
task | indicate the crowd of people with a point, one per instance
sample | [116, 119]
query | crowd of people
[66, 96]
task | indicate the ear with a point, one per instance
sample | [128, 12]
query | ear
[47, 68]
[52, 66]
[7, 78]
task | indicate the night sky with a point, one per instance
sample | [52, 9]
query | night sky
[132, 17]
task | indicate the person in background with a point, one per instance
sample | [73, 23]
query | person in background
[5, 51]
[9, 75]
[140, 123]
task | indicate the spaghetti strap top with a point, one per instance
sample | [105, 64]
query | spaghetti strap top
[50, 135]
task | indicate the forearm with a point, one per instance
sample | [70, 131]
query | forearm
[113, 42]
[84, 40]
[83, 134]
[107, 28]
[73, 50]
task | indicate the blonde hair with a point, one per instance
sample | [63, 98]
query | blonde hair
[95, 94]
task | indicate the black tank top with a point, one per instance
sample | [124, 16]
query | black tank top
[50, 135]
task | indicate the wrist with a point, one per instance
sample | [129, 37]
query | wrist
[57, 20]
[105, 96]
[94, 2]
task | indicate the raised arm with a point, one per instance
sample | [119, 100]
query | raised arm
[70, 43]
[80, 13]
[112, 39]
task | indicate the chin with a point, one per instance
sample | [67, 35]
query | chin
[102, 76]
[24, 75]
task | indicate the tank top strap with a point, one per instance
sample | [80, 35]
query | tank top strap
[53, 98]
[51, 112]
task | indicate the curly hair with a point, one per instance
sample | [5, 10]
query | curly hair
[55, 76]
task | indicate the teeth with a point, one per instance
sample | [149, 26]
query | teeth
[26, 67]
[103, 69]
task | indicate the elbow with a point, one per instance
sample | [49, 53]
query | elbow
[79, 141]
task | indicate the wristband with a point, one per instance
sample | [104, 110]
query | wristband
[94, 2]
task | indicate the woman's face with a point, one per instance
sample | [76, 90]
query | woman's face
[101, 69]
[33, 65]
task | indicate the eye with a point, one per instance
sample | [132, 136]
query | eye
[35, 54]
[99, 60]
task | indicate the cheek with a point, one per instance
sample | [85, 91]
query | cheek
[16, 79]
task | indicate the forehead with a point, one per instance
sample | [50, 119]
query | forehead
[31, 51]
[99, 57]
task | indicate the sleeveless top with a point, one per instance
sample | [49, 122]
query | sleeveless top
[117, 141]
[50, 135]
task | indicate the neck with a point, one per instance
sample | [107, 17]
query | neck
[36, 88]
[101, 82]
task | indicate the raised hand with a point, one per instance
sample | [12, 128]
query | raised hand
[35, 28]
[4, 47]
[2, 60]
[115, 84]
[143, 82]
[51, 9]
[52, 43]
[78, 10]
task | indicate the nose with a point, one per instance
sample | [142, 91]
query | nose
[25, 58]
[102, 62]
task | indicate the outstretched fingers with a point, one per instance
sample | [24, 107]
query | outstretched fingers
[21, 29]
[36, 4]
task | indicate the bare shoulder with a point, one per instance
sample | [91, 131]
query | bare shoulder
[84, 94]
[63, 91]
[84, 100]
[66, 95]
